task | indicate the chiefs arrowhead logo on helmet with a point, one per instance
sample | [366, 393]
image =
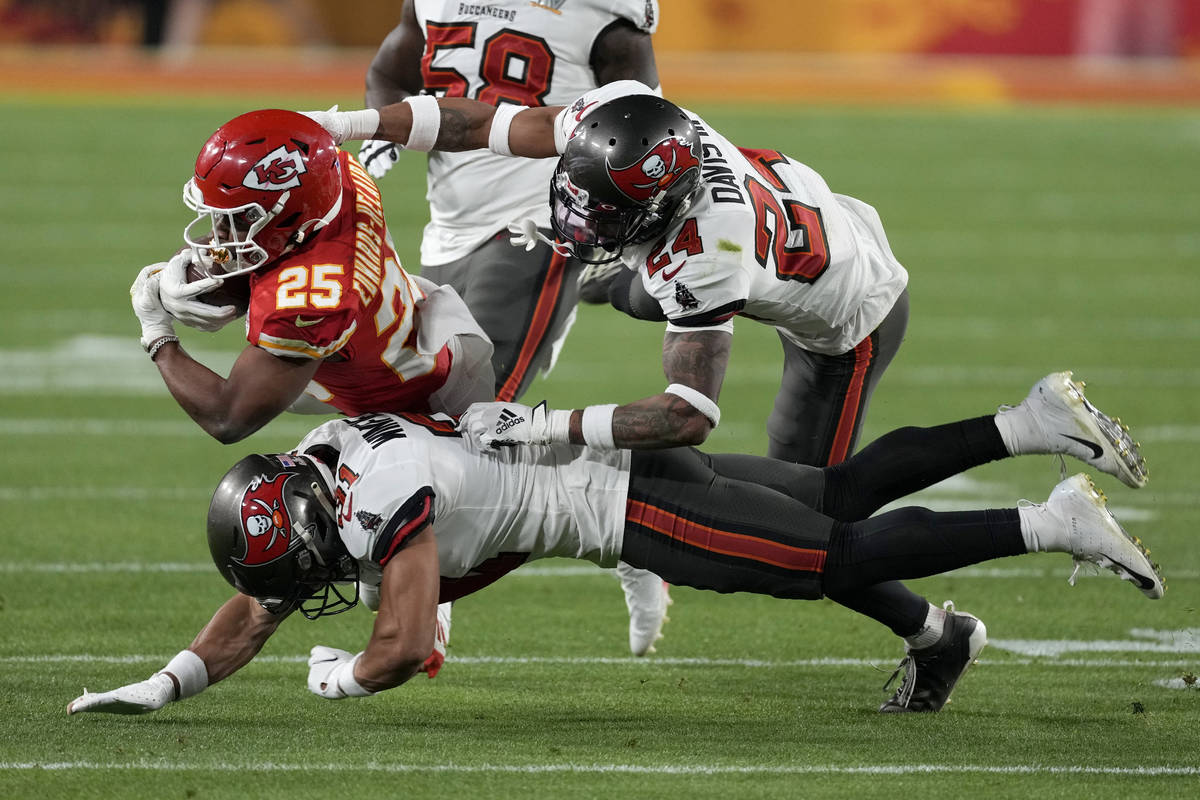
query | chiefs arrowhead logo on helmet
[277, 171]
[657, 170]
[265, 521]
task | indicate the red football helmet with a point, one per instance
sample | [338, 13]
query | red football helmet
[264, 182]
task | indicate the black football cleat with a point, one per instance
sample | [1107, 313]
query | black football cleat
[931, 673]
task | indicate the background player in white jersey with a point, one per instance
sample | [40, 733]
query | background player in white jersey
[512, 54]
[405, 502]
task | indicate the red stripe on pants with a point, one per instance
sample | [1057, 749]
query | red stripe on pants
[543, 313]
[864, 352]
[740, 545]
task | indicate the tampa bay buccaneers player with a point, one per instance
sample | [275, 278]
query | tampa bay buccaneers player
[714, 232]
[446, 518]
[511, 54]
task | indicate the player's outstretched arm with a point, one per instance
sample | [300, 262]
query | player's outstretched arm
[228, 642]
[403, 636]
[452, 124]
[687, 411]
[682, 415]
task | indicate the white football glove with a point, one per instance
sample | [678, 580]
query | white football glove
[346, 125]
[331, 673]
[525, 234]
[378, 157]
[496, 424]
[147, 305]
[179, 297]
[136, 698]
[441, 638]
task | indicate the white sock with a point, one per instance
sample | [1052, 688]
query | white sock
[1008, 421]
[931, 632]
[1041, 530]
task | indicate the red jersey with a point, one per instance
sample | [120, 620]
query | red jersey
[344, 298]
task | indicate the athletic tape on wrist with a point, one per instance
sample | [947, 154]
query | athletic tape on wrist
[362, 124]
[558, 426]
[426, 122]
[597, 426]
[698, 400]
[346, 681]
[188, 672]
[501, 122]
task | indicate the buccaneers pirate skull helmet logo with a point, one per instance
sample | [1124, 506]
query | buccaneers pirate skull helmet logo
[273, 535]
[632, 167]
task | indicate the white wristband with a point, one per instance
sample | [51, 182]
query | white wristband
[597, 426]
[187, 672]
[501, 122]
[698, 401]
[343, 676]
[426, 122]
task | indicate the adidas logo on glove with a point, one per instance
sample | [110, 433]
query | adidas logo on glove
[507, 420]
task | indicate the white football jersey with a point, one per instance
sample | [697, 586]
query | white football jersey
[490, 511]
[532, 53]
[768, 240]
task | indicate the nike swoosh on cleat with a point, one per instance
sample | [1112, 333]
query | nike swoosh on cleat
[1142, 581]
[1096, 449]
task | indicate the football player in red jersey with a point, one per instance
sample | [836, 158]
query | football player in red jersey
[509, 54]
[291, 229]
[332, 316]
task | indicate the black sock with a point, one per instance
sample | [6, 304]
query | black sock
[905, 461]
[915, 543]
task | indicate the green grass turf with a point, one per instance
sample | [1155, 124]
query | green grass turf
[1036, 240]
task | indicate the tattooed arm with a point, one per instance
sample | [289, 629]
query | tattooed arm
[697, 359]
[465, 125]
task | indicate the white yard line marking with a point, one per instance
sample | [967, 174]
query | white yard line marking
[609, 769]
[883, 663]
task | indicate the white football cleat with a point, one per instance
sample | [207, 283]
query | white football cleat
[1096, 537]
[647, 598]
[1056, 418]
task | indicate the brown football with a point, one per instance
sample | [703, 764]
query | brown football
[234, 291]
